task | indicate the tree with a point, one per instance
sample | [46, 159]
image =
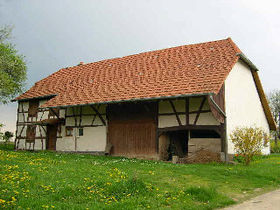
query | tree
[1, 134]
[7, 136]
[12, 67]
[248, 142]
[274, 103]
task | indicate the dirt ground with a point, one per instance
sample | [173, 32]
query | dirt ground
[269, 201]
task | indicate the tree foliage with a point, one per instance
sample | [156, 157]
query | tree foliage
[12, 68]
[274, 103]
[7, 136]
[249, 141]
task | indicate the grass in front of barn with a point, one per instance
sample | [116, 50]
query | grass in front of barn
[48, 180]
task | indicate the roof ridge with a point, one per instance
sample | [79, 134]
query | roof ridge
[151, 51]
[236, 48]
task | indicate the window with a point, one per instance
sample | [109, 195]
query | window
[33, 108]
[69, 131]
[81, 131]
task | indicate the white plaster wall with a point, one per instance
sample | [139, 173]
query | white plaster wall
[204, 119]
[242, 103]
[94, 139]
[65, 144]
[23, 128]
[171, 120]
[25, 106]
[38, 144]
[43, 115]
[211, 144]
[21, 144]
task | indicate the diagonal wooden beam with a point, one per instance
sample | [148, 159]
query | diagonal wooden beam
[99, 115]
[174, 110]
[199, 110]
[54, 113]
[73, 110]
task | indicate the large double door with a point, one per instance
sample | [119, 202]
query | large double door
[132, 129]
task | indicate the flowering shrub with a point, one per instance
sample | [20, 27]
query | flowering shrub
[248, 142]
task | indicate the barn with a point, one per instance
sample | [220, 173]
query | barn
[151, 105]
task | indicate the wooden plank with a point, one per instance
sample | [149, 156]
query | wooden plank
[132, 129]
[192, 127]
[199, 110]
[219, 101]
[174, 110]
[169, 114]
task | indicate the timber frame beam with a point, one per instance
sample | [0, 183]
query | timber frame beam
[217, 128]
[176, 114]
[51, 109]
[99, 115]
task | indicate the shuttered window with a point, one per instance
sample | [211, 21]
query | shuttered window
[33, 108]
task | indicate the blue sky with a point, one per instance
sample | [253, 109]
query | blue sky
[59, 33]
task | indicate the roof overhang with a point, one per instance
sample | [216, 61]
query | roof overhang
[32, 98]
[245, 59]
[135, 100]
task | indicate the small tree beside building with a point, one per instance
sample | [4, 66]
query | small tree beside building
[248, 142]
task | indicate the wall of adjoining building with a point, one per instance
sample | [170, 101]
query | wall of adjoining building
[94, 138]
[243, 105]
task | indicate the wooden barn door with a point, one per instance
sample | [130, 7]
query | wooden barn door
[132, 129]
[51, 137]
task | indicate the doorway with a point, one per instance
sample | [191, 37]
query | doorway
[173, 143]
[51, 137]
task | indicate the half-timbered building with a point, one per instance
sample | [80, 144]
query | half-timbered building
[152, 105]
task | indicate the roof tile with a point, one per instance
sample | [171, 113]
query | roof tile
[183, 70]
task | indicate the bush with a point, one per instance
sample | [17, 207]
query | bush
[274, 148]
[248, 142]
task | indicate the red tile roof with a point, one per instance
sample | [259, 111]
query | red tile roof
[184, 70]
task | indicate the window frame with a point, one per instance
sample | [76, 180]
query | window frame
[81, 129]
[68, 129]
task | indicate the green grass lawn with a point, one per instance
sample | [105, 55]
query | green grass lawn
[39, 180]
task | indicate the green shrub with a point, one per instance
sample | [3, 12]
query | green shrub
[274, 148]
[248, 142]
